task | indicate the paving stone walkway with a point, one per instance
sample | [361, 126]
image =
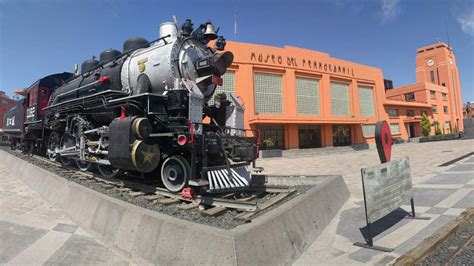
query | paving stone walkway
[32, 232]
[424, 160]
[440, 193]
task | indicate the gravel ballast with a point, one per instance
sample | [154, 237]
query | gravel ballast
[456, 249]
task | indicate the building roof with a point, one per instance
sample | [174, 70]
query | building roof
[433, 46]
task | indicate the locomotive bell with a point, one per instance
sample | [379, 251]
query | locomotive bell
[210, 33]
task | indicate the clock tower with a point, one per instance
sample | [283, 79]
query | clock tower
[437, 64]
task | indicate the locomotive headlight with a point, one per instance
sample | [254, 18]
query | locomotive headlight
[222, 62]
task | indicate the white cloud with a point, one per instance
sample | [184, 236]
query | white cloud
[466, 21]
[390, 9]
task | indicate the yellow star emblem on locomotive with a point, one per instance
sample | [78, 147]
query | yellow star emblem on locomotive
[148, 155]
[141, 64]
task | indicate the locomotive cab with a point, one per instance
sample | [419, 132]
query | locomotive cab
[25, 122]
[31, 103]
[38, 94]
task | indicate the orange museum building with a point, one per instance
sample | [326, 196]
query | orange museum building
[299, 98]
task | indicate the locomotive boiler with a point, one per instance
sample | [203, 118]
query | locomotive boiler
[142, 110]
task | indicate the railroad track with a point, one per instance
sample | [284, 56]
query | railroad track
[452, 244]
[466, 247]
[244, 205]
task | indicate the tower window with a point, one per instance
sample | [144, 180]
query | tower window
[432, 76]
[410, 96]
[392, 112]
[410, 112]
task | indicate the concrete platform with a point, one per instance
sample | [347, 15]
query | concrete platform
[33, 232]
[277, 237]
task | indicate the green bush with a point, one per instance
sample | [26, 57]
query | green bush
[425, 125]
[268, 143]
[437, 129]
[398, 140]
[450, 136]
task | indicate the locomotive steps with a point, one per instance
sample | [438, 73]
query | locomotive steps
[278, 236]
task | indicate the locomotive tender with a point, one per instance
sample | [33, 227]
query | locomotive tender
[142, 110]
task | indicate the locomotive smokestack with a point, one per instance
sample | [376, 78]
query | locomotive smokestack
[168, 28]
[222, 62]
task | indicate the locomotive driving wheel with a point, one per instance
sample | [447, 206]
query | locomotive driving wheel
[67, 141]
[175, 173]
[53, 145]
[107, 171]
[76, 136]
[83, 165]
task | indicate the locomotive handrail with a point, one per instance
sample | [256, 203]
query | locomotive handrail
[76, 89]
[224, 129]
[88, 96]
[161, 38]
[136, 96]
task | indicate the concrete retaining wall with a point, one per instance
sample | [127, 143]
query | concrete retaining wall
[276, 237]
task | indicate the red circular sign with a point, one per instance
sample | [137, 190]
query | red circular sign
[383, 139]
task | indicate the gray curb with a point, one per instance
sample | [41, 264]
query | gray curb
[278, 236]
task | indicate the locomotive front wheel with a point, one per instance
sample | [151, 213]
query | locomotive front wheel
[175, 173]
[83, 165]
[53, 144]
[107, 171]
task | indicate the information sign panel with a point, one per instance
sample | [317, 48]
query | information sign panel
[386, 187]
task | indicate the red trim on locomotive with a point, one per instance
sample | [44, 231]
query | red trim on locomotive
[33, 96]
[43, 99]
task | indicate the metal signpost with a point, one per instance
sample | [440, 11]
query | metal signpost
[386, 186]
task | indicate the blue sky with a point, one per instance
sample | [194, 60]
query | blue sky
[41, 37]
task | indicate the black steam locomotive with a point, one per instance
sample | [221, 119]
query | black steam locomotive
[142, 110]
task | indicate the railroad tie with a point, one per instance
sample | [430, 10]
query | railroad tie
[107, 186]
[136, 194]
[215, 211]
[275, 199]
[188, 206]
[153, 197]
